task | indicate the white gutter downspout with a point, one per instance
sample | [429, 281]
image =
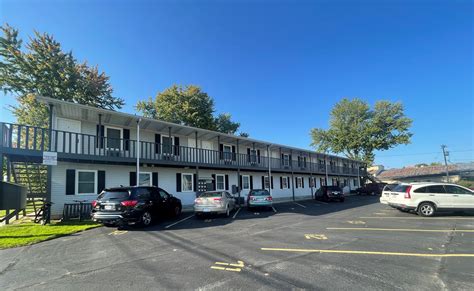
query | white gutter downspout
[269, 170]
[138, 151]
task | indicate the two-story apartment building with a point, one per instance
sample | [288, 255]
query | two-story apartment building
[98, 148]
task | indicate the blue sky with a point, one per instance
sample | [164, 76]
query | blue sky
[280, 66]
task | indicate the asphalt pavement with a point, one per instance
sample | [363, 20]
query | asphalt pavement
[356, 245]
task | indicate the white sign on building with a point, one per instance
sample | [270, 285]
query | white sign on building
[50, 158]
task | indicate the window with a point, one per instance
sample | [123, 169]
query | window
[144, 179]
[299, 182]
[334, 182]
[227, 152]
[86, 182]
[322, 181]
[284, 182]
[286, 160]
[220, 182]
[186, 183]
[312, 182]
[245, 182]
[267, 182]
[435, 189]
[456, 190]
[253, 156]
[354, 181]
[113, 137]
[301, 162]
[167, 143]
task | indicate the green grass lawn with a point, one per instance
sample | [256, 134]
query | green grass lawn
[21, 234]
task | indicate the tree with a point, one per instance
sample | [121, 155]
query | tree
[357, 131]
[43, 68]
[187, 105]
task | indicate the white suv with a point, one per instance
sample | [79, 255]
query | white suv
[427, 198]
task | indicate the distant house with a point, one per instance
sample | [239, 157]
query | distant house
[428, 173]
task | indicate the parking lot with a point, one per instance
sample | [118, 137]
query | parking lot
[358, 244]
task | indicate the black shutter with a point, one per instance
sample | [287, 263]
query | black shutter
[290, 162]
[154, 179]
[248, 155]
[100, 136]
[251, 182]
[240, 182]
[157, 143]
[214, 182]
[302, 182]
[176, 145]
[288, 182]
[263, 182]
[178, 182]
[281, 182]
[195, 183]
[258, 156]
[70, 182]
[296, 182]
[221, 151]
[133, 178]
[101, 181]
[227, 182]
[271, 181]
[126, 139]
[233, 153]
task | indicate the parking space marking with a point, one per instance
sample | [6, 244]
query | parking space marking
[173, 224]
[400, 229]
[300, 204]
[208, 220]
[424, 218]
[235, 214]
[365, 252]
[118, 232]
[238, 266]
[356, 222]
[316, 236]
[380, 213]
[321, 202]
[274, 210]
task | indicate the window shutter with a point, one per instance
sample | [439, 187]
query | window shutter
[281, 182]
[214, 184]
[271, 181]
[176, 145]
[70, 182]
[233, 153]
[157, 143]
[302, 182]
[258, 156]
[263, 182]
[101, 181]
[251, 182]
[296, 182]
[221, 151]
[154, 179]
[290, 158]
[133, 178]
[288, 180]
[100, 136]
[248, 155]
[195, 187]
[227, 182]
[241, 182]
[178, 182]
[126, 139]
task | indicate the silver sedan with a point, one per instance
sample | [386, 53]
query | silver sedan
[217, 202]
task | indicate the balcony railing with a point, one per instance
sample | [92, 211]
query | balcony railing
[24, 139]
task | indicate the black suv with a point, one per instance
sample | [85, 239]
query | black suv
[328, 193]
[138, 205]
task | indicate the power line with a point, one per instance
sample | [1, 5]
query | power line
[416, 154]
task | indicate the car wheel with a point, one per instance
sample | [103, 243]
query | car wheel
[177, 210]
[426, 209]
[227, 211]
[146, 218]
[108, 224]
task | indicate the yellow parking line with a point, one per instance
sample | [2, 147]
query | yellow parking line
[217, 268]
[425, 218]
[400, 229]
[366, 252]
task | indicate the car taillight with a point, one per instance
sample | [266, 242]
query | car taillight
[407, 193]
[129, 203]
[269, 198]
[198, 201]
[251, 198]
[94, 203]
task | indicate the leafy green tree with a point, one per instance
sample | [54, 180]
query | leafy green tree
[357, 131]
[43, 68]
[187, 105]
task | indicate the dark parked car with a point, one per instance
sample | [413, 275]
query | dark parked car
[371, 189]
[138, 205]
[329, 193]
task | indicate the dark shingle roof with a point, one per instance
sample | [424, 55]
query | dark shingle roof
[423, 171]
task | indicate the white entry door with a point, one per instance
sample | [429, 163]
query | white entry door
[68, 141]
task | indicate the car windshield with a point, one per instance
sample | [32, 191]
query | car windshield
[114, 195]
[334, 188]
[400, 188]
[259, 193]
[390, 187]
[210, 194]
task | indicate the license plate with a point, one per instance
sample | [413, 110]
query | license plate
[109, 207]
[206, 210]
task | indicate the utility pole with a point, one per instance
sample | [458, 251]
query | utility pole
[445, 154]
